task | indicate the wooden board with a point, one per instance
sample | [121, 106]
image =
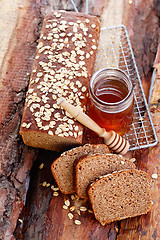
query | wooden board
[40, 215]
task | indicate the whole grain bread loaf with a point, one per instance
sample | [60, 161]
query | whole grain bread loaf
[120, 195]
[62, 167]
[63, 66]
[88, 168]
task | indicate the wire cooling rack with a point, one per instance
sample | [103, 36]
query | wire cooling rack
[115, 51]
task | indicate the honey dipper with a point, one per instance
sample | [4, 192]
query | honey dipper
[114, 141]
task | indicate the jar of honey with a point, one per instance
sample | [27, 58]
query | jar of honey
[111, 100]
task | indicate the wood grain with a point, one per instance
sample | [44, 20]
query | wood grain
[39, 214]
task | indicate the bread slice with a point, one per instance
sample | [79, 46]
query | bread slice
[120, 195]
[62, 168]
[88, 168]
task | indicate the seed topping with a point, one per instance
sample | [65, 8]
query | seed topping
[62, 58]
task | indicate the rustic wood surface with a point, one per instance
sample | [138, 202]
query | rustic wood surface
[37, 214]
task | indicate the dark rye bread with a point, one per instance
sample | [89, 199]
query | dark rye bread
[62, 67]
[62, 167]
[88, 168]
[120, 195]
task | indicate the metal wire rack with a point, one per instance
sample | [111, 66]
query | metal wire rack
[115, 51]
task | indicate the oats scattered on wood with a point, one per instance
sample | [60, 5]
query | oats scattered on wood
[116, 229]
[67, 203]
[83, 209]
[90, 211]
[20, 220]
[77, 222]
[56, 189]
[72, 197]
[65, 207]
[72, 208]
[41, 166]
[78, 211]
[55, 194]
[44, 184]
[70, 215]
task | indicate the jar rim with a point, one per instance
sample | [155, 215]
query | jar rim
[106, 103]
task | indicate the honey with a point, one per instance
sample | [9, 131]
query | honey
[111, 100]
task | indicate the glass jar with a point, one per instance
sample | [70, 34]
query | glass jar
[111, 100]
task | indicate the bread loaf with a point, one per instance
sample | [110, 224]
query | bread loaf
[88, 168]
[120, 195]
[62, 167]
[62, 66]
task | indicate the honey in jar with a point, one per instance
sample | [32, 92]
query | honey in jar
[111, 100]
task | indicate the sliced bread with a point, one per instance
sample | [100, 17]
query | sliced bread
[62, 167]
[88, 168]
[120, 195]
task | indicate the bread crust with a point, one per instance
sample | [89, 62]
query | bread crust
[63, 167]
[63, 66]
[118, 161]
[113, 175]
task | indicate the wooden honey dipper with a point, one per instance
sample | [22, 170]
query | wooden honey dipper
[114, 141]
